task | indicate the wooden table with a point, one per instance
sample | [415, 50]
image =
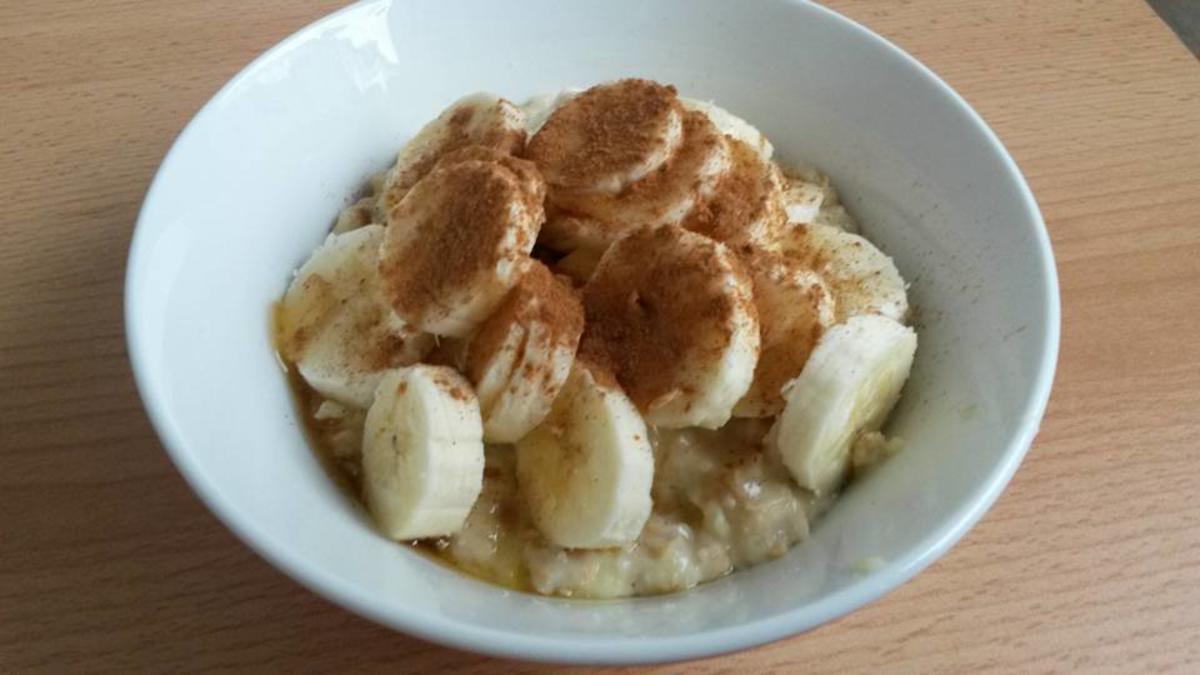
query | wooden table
[1090, 560]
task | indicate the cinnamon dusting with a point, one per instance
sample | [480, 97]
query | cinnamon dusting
[655, 305]
[604, 133]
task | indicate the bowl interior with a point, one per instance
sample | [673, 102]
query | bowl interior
[254, 183]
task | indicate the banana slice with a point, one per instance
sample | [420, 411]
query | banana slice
[732, 125]
[746, 205]
[802, 201]
[336, 325]
[522, 355]
[810, 198]
[477, 119]
[848, 386]
[608, 137]
[671, 314]
[359, 214]
[864, 280]
[586, 471]
[539, 108]
[795, 307]
[460, 240]
[591, 219]
[422, 464]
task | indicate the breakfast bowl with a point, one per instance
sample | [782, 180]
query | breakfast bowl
[255, 181]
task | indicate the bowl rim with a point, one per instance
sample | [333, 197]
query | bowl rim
[582, 649]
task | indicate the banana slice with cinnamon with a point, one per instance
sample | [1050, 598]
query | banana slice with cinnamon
[671, 314]
[460, 240]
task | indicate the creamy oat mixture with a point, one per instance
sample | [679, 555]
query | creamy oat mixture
[610, 286]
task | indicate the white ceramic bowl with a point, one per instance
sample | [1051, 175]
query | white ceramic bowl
[254, 182]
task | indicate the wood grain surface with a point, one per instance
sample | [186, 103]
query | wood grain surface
[1089, 562]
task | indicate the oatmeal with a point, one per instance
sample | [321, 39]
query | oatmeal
[598, 346]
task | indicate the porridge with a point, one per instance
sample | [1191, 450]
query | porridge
[599, 345]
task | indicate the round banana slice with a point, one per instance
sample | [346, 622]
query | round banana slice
[608, 137]
[359, 214]
[795, 307]
[671, 314]
[809, 198]
[539, 108]
[746, 205]
[335, 323]
[850, 383]
[864, 280]
[578, 219]
[732, 125]
[459, 241]
[477, 119]
[802, 201]
[422, 463]
[586, 471]
[521, 356]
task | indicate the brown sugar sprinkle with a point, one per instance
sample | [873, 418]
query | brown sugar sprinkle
[451, 230]
[651, 310]
[744, 200]
[605, 132]
[469, 123]
[656, 198]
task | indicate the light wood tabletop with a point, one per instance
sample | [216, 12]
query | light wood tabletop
[1089, 561]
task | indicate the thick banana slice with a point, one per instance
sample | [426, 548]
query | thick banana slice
[802, 201]
[586, 471]
[848, 386]
[477, 119]
[578, 219]
[522, 355]
[359, 214]
[671, 314]
[460, 240]
[422, 464]
[809, 198]
[864, 280]
[746, 205]
[539, 108]
[335, 323]
[795, 307]
[732, 125]
[608, 137]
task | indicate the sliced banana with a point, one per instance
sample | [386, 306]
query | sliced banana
[586, 471]
[732, 125]
[460, 240]
[477, 119]
[810, 198]
[522, 355]
[608, 136]
[335, 323]
[864, 280]
[745, 206]
[802, 201]
[671, 314]
[848, 386]
[579, 219]
[539, 108]
[422, 453]
[795, 307]
[359, 214]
